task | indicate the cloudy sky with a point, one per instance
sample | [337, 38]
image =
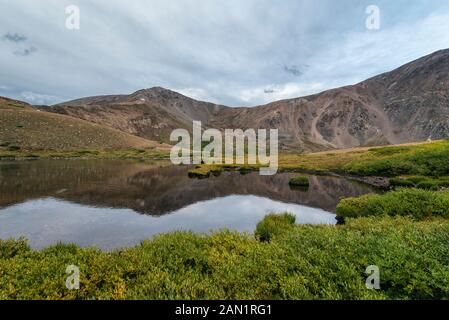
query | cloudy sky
[234, 52]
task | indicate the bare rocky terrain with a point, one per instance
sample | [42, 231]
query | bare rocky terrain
[408, 104]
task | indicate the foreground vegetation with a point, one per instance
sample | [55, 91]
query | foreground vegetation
[415, 203]
[284, 261]
[404, 232]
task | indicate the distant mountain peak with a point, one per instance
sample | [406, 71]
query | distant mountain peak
[410, 103]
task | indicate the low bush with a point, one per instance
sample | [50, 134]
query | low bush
[424, 160]
[416, 179]
[443, 182]
[428, 185]
[307, 262]
[415, 203]
[274, 225]
[299, 181]
[396, 182]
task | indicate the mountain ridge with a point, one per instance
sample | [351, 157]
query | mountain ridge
[409, 103]
[26, 128]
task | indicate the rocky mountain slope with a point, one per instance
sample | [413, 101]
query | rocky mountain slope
[148, 113]
[23, 127]
[408, 104]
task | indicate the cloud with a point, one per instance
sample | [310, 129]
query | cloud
[233, 53]
[25, 52]
[279, 91]
[14, 37]
[194, 93]
[38, 98]
[294, 70]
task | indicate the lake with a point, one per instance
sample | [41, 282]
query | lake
[118, 203]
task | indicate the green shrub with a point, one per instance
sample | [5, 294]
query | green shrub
[428, 185]
[4, 144]
[307, 262]
[396, 182]
[423, 160]
[417, 179]
[443, 182]
[299, 181]
[416, 203]
[274, 225]
[420, 182]
[10, 248]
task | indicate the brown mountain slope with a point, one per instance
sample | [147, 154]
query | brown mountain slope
[24, 127]
[408, 104]
[149, 113]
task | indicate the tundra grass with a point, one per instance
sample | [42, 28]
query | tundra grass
[86, 154]
[299, 181]
[422, 159]
[415, 203]
[299, 262]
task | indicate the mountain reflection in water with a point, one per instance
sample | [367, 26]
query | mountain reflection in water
[112, 203]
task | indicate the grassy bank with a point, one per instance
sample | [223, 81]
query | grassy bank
[423, 159]
[136, 153]
[415, 203]
[298, 262]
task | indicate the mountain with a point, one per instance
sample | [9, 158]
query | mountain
[408, 104]
[24, 127]
[150, 113]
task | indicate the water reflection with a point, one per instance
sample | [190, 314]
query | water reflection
[47, 221]
[154, 189]
[113, 204]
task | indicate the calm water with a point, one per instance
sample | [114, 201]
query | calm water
[112, 204]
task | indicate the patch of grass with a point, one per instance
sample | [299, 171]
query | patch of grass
[13, 147]
[397, 182]
[430, 159]
[443, 182]
[428, 185]
[274, 225]
[149, 154]
[300, 181]
[415, 203]
[420, 182]
[204, 171]
[416, 179]
[307, 262]
[388, 151]
[32, 155]
[87, 152]
[422, 159]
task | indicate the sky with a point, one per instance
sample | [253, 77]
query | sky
[235, 53]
